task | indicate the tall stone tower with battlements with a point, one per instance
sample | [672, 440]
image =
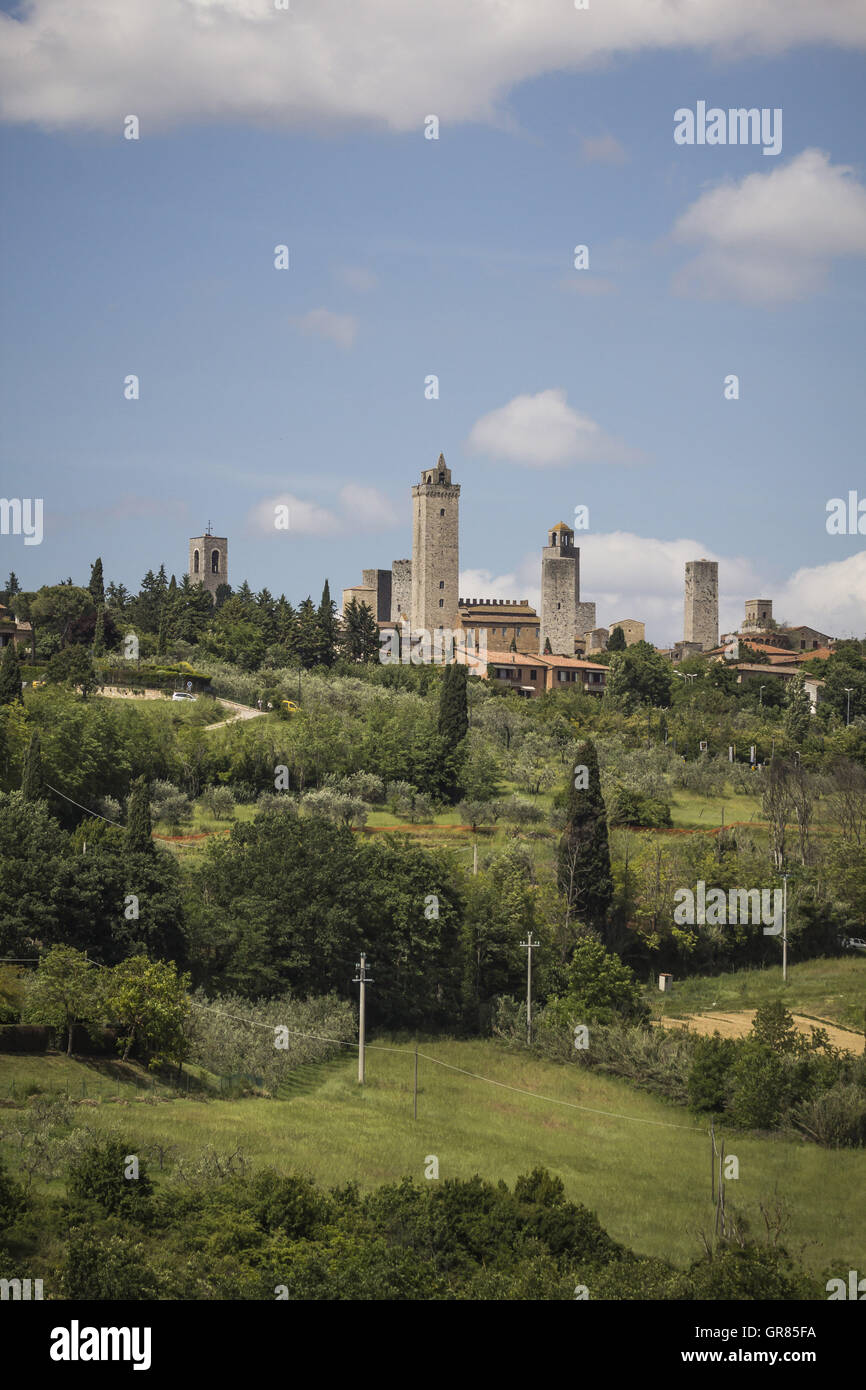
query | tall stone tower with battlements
[560, 592]
[209, 561]
[702, 603]
[435, 549]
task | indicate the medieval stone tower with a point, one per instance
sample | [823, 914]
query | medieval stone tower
[702, 603]
[560, 592]
[209, 561]
[435, 549]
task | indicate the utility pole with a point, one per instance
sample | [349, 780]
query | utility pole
[475, 857]
[362, 979]
[530, 947]
[785, 928]
[848, 689]
[415, 1114]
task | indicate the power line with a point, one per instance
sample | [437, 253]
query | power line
[98, 815]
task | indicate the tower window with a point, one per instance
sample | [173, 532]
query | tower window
[441, 603]
[441, 511]
[559, 605]
[441, 477]
[441, 583]
[195, 562]
[214, 562]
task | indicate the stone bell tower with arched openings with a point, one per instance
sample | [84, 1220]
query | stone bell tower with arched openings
[209, 560]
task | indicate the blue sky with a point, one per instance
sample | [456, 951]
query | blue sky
[454, 256]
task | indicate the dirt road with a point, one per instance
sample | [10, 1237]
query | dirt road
[737, 1025]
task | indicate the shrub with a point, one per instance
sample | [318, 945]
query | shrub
[97, 1175]
[219, 801]
[836, 1119]
[105, 1267]
[708, 1077]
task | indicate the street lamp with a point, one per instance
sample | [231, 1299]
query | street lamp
[848, 689]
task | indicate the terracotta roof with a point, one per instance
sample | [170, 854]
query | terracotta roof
[527, 659]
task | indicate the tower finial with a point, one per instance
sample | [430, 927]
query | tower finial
[441, 463]
[208, 531]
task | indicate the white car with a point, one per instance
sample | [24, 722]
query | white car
[182, 695]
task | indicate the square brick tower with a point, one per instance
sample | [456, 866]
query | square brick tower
[435, 549]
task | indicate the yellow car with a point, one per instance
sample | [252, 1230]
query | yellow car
[289, 706]
[37, 685]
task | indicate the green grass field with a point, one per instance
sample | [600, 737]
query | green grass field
[833, 989]
[648, 1182]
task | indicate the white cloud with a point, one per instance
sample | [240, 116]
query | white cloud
[544, 431]
[602, 149]
[369, 509]
[380, 61]
[323, 323]
[362, 508]
[630, 576]
[358, 278]
[771, 237]
[831, 598]
[305, 518]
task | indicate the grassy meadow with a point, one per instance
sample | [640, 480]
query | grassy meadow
[641, 1163]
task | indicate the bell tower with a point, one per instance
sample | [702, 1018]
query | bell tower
[209, 560]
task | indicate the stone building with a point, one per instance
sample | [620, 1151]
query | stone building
[632, 630]
[560, 591]
[596, 640]
[209, 561]
[702, 603]
[502, 620]
[435, 549]
[759, 612]
[401, 589]
[584, 620]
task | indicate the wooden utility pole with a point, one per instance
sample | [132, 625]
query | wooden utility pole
[415, 1114]
[784, 928]
[362, 979]
[530, 946]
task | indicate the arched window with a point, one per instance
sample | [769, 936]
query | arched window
[195, 562]
[214, 562]
[441, 477]
[441, 511]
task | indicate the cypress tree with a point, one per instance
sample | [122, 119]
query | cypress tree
[10, 676]
[616, 642]
[99, 633]
[583, 864]
[326, 619]
[453, 705]
[97, 583]
[32, 784]
[307, 635]
[368, 631]
[138, 823]
[452, 728]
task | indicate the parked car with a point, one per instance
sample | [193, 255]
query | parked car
[182, 695]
